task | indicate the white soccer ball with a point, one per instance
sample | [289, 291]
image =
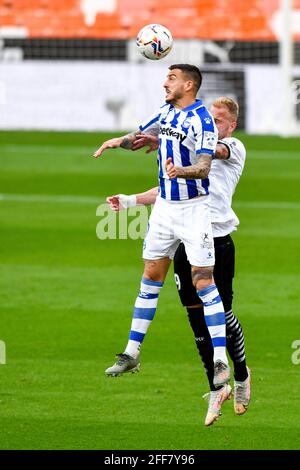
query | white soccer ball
[154, 41]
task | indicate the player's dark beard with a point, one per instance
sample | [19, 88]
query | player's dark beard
[177, 96]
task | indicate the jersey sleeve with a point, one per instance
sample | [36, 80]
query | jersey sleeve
[237, 151]
[206, 135]
[152, 124]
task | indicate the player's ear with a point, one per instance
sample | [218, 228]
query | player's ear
[233, 126]
[189, 85]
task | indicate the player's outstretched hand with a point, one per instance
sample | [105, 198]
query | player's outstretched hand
[114, 202]
[121, 201]
[145, 140]
[109, 144]
[170, 168]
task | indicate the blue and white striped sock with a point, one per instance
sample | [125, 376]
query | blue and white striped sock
[143, 314]
[215, 320]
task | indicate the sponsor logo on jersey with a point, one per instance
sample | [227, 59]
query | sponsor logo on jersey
[171, 133]
[209, 139]
[207, 243]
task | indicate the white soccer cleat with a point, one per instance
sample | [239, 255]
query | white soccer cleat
[215, 400]
[125, 363]
[221, 373]
[242, 393]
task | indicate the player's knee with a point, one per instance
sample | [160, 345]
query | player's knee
[153, 276]
[155, 270]
[202, 277]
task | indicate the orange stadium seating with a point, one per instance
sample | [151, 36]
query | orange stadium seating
[210, 19]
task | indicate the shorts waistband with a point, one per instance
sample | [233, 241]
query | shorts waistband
[182, 201]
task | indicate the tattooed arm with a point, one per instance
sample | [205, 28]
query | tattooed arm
[125, 142]
[198, 171]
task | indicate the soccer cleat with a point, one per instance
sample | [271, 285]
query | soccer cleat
[221, 373]
[215, 400]
[242, 395]
[125, 363]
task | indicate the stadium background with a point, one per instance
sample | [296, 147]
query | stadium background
[72, 66]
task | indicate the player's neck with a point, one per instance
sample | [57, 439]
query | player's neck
[184, 102]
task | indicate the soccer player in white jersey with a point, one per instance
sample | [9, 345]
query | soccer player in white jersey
[187, 138]
[225, 172]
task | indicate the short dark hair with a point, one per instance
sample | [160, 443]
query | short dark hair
[191, 71]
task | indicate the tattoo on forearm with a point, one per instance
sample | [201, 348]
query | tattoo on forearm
[126, 143]
[198, 171]
[128, 140]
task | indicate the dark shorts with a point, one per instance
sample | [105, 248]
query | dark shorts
[223, 273]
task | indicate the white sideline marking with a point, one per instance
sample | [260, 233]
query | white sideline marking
[89, 150]
[267, 205]
[45, 149]
[50, 198]
[100, 200]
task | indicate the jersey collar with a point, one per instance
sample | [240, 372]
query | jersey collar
[197, 104]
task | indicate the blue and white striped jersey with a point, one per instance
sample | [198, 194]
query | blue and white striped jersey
[183, 135]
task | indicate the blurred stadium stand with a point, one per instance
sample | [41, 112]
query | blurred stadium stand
[227, 39]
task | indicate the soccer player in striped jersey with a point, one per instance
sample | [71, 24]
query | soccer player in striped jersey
[224, 175]
[187, 138]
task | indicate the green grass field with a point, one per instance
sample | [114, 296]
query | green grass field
[67, 297]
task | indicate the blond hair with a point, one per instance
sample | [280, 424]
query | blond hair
[228, 103]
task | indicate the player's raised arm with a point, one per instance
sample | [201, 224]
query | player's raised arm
[198, 171]
[145, 140]
[123, 201]
[124, 142]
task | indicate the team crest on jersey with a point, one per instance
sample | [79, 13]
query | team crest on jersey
[187, 122]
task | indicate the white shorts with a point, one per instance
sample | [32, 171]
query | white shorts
[174, 221]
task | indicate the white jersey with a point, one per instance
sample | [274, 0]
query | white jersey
[224, 176]
[183, 134]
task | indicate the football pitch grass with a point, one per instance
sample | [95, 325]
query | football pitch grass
[67, 298]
